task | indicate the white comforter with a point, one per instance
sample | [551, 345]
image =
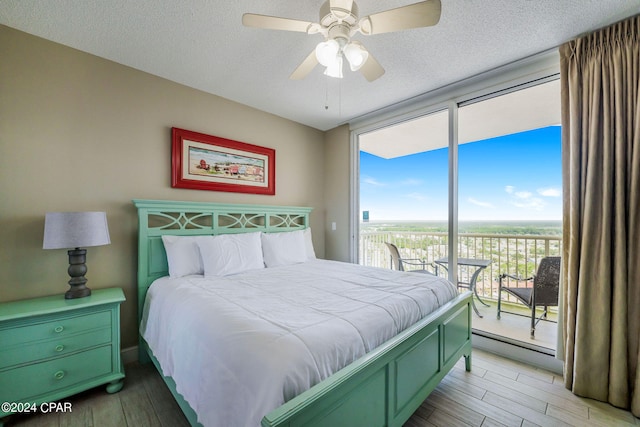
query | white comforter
[240, 346]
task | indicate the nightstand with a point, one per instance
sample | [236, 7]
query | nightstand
[52, 348]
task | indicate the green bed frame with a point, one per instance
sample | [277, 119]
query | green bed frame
[382, 388]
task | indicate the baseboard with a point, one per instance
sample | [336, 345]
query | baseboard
[536, 356]
[129, 355]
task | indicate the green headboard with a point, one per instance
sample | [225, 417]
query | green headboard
[158, 217]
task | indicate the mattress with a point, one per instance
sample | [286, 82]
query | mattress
[239, 346]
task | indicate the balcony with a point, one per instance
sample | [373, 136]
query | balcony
[514, 254]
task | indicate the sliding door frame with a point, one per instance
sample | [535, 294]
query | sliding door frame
[525, 73]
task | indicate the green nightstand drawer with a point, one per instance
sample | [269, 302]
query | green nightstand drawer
[26, 353]
[52, 348]
[62, 327]
[31, 381]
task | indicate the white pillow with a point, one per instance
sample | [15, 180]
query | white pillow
[311, 253]
[284, 248]
[230, 253]
[183, 255]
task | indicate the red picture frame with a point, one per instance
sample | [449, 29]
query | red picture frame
[206, 162]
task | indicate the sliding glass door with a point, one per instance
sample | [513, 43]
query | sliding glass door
[470, 191]
[510, 204]
[403, 187]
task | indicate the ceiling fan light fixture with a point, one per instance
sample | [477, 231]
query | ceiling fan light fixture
[356, 55]
[339, 21]
[327, 51]
[334, 69]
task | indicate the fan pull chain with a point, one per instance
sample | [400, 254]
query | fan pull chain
[326, 94]
[340, 99]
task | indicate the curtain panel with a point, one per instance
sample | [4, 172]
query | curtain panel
[600, 80]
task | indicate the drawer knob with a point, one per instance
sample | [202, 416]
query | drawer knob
[59, 375]
[59, 348]
[59, 329]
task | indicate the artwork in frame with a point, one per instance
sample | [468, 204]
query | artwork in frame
[206, 162]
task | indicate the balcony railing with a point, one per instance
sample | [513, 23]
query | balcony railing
[514, 254]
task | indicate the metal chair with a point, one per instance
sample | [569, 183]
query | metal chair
[398, 262]
[546, 284]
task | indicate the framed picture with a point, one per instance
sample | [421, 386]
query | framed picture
[205, 162]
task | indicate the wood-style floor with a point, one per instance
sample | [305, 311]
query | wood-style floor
[496, 392]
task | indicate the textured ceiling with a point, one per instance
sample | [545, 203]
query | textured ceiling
[202, 44]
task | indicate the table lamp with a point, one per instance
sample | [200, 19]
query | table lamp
[64, 230]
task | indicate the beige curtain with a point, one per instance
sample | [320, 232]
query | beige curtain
[600, 78]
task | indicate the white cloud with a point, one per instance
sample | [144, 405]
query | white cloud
[412, 181]
[479, 203]
[373, 181]
[550, 192]
[525, 199]
[534, 203]
[416, 196]
[523, 194]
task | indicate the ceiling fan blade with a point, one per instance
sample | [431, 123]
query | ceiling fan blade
[275, 23]
[305, 68]
[372, 70]
[417, 15]
[341, 8]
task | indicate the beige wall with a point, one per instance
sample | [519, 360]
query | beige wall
[337, 193]
[78, 132]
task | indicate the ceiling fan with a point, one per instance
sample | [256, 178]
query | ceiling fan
[338, 23]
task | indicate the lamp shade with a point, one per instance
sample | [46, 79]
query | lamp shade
[64, 230]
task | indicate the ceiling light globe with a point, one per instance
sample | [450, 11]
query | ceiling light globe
[335, 69]
[326, 52]
[356, 56]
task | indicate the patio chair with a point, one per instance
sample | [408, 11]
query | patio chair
[399, 263]
[546, 283]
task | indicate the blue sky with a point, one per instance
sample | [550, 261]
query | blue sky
[512, 177]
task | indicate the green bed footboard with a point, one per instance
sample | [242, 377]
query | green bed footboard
[387, 385]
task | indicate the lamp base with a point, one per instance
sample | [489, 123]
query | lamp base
[76, 292]
[77, 270]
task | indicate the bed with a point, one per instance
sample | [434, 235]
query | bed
[389, 376]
